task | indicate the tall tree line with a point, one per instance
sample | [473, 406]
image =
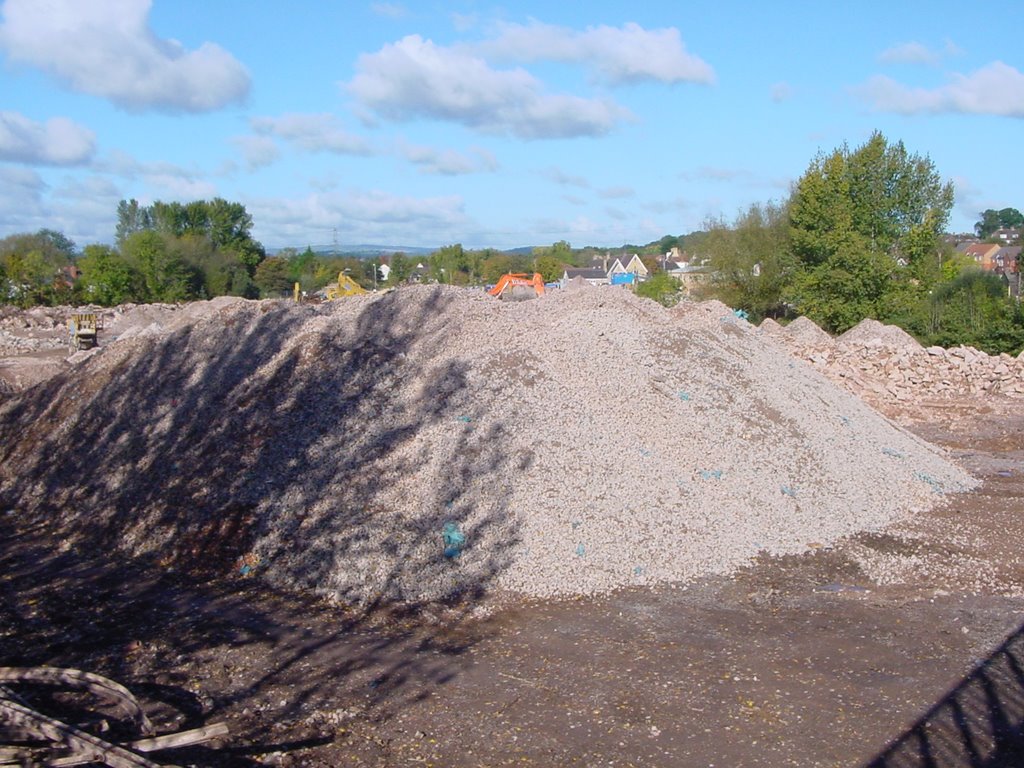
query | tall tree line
[861, 235]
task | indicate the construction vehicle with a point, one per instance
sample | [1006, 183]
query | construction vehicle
[83, 330]
[516, 286]
[346, 287]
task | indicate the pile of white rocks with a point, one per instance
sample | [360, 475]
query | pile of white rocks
[434, 441]
[884, 363]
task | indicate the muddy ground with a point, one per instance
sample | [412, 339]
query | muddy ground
[802, 661]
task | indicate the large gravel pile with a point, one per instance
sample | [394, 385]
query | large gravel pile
[577, 443]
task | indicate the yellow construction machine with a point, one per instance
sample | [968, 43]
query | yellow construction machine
[83, 330]
[346, 286]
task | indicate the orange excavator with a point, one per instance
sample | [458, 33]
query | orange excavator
[516, 286]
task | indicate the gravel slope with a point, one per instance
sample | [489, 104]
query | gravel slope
[580, 443]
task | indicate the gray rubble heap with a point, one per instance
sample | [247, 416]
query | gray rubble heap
[579, 443]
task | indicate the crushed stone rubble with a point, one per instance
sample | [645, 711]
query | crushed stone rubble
[884, 364]
[434, 441]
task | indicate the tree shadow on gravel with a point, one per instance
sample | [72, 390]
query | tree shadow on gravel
[978, 724]
[202, 444]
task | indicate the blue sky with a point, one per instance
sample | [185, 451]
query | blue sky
[427, 123]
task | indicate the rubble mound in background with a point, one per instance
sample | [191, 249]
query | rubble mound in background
[580, 442]
[872, 333]
[806, 332]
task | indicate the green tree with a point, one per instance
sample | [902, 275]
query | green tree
[401, 268]
[821, 211]
[555, 257]
[878, 192]
[164, 275]
[849, 286]
[225, 225]
[34, 267]
[863, 224]
[30, 277]
[667, 243]
[550, 267]
[662, 287]
[893, 191]
[450, 265]
[974, 309]
[495, 266]
[272, 277]
[1011, 218]
[107, 279]
[131, 218]
[751, 260]
[991, 220]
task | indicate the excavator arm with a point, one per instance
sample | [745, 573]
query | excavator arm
[507, 285]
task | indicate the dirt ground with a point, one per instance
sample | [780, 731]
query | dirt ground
[800, 661]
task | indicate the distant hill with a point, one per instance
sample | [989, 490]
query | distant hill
[361, 251]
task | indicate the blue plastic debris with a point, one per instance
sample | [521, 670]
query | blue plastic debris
[638, 571]
[741, 314]
[464, 419]
[454, 540]
[935, 484]
[892, 452]
[644, 452]
[684, 396]
[788, 491]
[580, 550]
[709, 474]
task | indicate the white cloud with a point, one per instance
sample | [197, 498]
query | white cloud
[90, 203]
[448, 162]
[21, 200]
[617, 192]
[106, 48]
[82, 207]
[258, 151]
[414, 78]
[626, 54]
[389, 10]
[171, 186]
[995, 89]
[914, 52]
[559, 176]
[170, 181]
[463, 22]
[58, 141]
[909, 53]
[970, 200]
[312, 132]
[675, 205]
[122, 164]
[359, 216]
